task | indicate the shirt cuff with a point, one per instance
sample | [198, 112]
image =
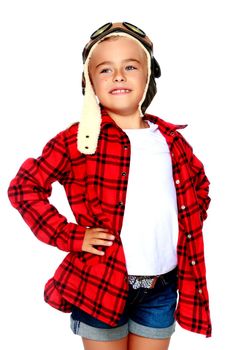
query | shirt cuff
[77, 234]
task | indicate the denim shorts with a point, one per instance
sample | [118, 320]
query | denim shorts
[148, 313]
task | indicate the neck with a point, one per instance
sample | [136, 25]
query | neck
[131, 121]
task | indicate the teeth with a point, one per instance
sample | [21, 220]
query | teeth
[119, 91]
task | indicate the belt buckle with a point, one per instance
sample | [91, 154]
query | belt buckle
[142, 281]
[154, 282]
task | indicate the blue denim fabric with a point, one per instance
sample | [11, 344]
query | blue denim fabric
[148, 312]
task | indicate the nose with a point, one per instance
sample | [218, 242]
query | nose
[119, 76]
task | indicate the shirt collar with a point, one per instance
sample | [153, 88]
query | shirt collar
[164, 126]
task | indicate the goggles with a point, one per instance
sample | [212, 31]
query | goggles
[110, 27]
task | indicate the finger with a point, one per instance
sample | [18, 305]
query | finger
[105, 236]
[95, 241]
[96, 251]
[100, 229]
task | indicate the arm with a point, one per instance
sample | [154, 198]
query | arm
[29, 191]
[200, 180]
[201, 183]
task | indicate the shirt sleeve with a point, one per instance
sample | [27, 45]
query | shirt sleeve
[29, 192]
[200, 180]
[201, 183]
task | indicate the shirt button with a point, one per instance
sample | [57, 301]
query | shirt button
[200, 291]
[177, 182]
[189, 236]
[193, 262]
[123, 174]
[172, 133]
[121, 204]
[125, 147]
[172, 154]
[183, 207]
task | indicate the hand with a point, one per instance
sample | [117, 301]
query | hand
[96, 236]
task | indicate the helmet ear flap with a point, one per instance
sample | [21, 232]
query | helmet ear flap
[151, 92]
[155, 68]
[152, 88]
[83, 83]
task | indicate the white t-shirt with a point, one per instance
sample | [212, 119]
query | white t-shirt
[150, 225]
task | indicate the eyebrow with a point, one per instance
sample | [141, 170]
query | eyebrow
[126, 60]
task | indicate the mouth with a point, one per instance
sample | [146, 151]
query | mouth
[120, 91]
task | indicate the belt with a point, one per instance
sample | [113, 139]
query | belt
[148, 281]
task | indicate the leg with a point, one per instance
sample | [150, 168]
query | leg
[137, 342]
[120, 344]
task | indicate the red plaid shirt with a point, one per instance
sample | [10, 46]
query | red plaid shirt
[96, 190]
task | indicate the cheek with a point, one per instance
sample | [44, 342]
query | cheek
[101, 84]
[92, 81]
[97, 84]
[145, 75]
[143, 80]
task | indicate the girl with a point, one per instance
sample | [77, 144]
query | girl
[139, 196]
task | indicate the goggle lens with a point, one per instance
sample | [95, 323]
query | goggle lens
[101, 30]
[134, 29]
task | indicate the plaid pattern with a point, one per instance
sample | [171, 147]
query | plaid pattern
[96, 190]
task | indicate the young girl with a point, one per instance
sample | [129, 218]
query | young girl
[139, 196]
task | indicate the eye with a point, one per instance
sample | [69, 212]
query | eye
[130, 67]
[105, 70]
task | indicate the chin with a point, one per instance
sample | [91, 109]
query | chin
[124, 108]
[122, 111]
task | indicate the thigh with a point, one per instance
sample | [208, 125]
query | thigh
[136, 342]
[121, 344]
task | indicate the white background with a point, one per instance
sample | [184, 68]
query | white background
[40, 91]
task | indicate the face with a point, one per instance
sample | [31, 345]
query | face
[118, 72]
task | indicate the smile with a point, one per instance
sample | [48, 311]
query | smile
[120, 91]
